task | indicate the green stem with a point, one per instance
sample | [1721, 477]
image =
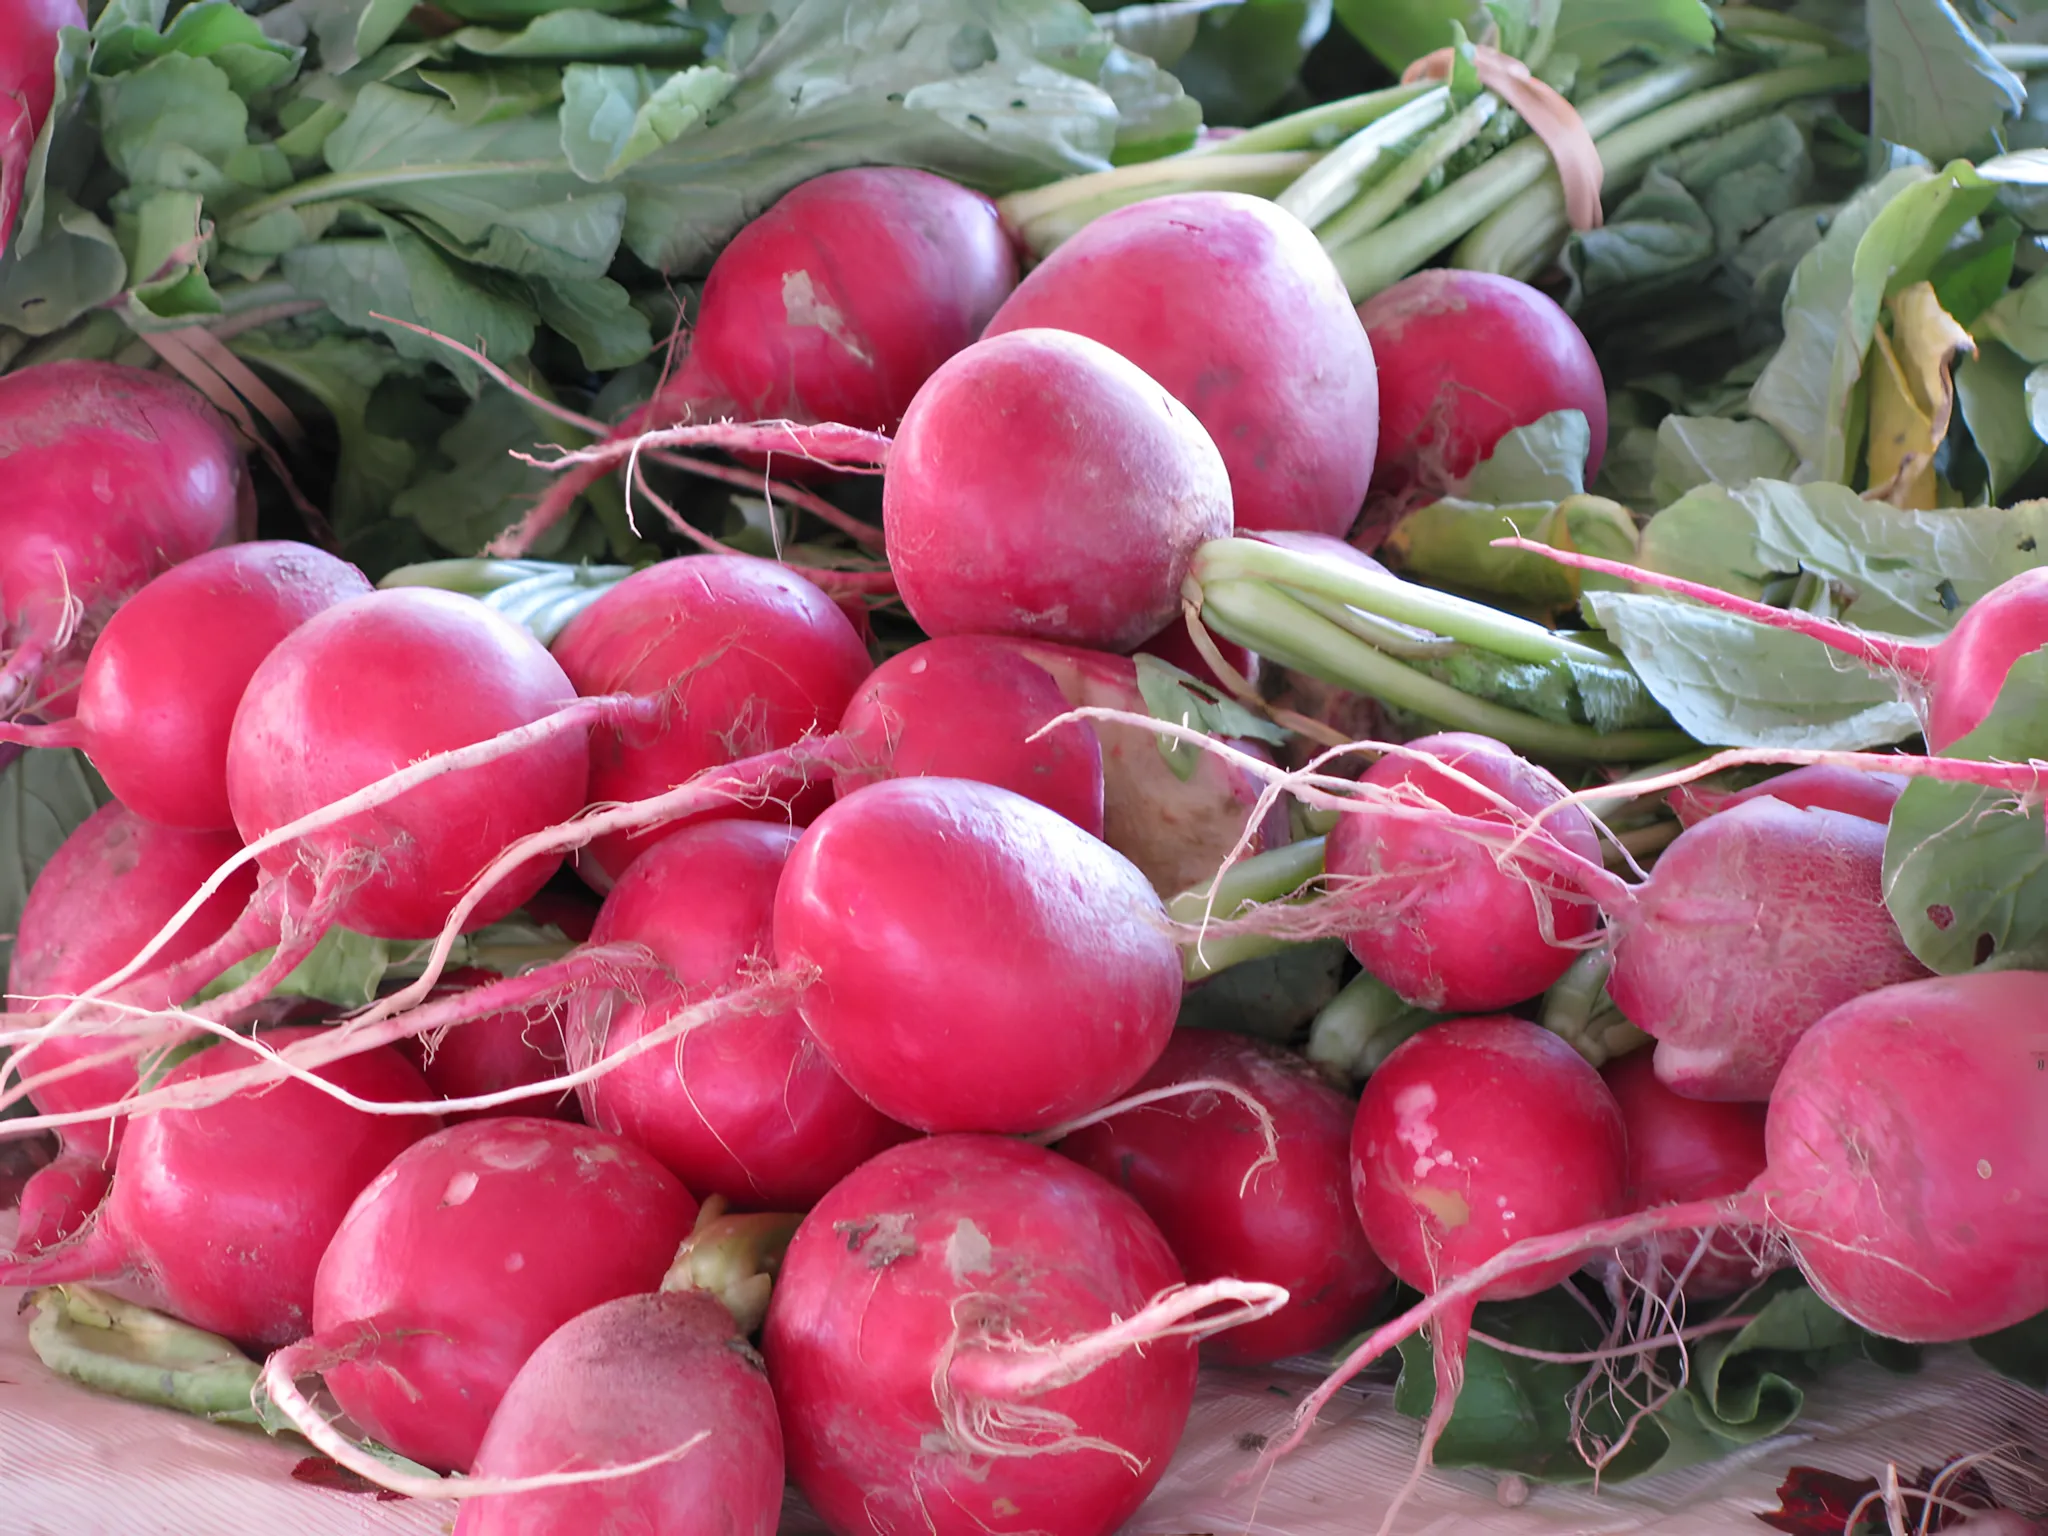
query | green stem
[1382, 201]
[1047, 215]
[340, 184]
[1395, 639]
[472, 578]
[1336, 179]
[1753, 23]
[1389, 597]
[1607, 807]
[1399, 247]
[1289, 635]
[1314, 127]
[1358, 1028]
[1579, 1012]
[734, 1258]
[1518, 239]
[2021, 57]
[128, 1351]
[1272, 876]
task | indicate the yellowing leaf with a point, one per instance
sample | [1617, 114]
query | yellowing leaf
[1912, 396]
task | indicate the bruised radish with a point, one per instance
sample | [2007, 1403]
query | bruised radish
[28, 87]
[1042, 485]
[747, 655]
[1819, 787]
[1276, 368]
[166, 674]
[980, 962]
[492, 1054]
[220, 1215]
[744, 1106]
[463, 1255]
[1198, 1165]
[630, 1379]
[972, 1334]
[112, 475]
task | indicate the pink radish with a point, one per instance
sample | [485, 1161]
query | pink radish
[633, 1378]
[747, 655]
[28, 87]
[1043, 486]
[164, 678]
[1822, 787]
[219, 1216]
[1197, 1164]
[462, 1256]
[113, 475]
[745, 1107]
[489, 1055]
[938, 912]
[973, 1334]
[1278, 369]
[1464, 358]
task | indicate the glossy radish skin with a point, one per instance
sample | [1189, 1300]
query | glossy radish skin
[1278, 370]
[1688, 1149]
[58, 1199]
[624, 1381]
[28, 86]
[1446, 926]
[981, 963]
[161, 686]
[489, 1055]
[465, 1253]
[1966, 671]
[220, 1215]
[749, 656]
[113, 475]
[966, 707]
[1043, 486]
[309, 731]
[1754, 924]
[744, 1106]
[1186, 1161]
[1464, 358]
[1818, 787]
[114, 882]
[899, 1279]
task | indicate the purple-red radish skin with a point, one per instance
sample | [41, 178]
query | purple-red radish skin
[1818, 787]
[491, 1054]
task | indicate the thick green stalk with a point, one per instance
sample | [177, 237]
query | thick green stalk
[1579, 1012]
[1380, 202]
[1338, 177]
[128, 1351]
[1313, 127]
[339, 184]
[1359, 1028]
[1271, 876]
[2021, 57]
[1047, 215]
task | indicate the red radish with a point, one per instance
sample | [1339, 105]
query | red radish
[220, 1215]
[1683, 1149]
[1041, 485]
[164, 677]
[1176, 647]
[965, 707]
[1821, 787]
[28, 87]
[634, 1378]
[745, 1106]
[489, 1055]
[113, 475]
[1447, 927]
[462, 1256]
[981, 962]
[1960, 676]
[1195, 1164]
[111, 885]
[748, 655]
[1472, 1134]
[573, 910]
[1464, 358]
[1757, 922]
[1277, 369]
[969, 1335]
[58, 1199]
[833, 306]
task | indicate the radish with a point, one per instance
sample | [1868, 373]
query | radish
[980, 962]
[461, 1257]
[1276, 368]
[1682, 1149]
[833, 306]
[1821, 786]
[1464, 358]
[1448, 927]
[163, 680]
[28, 87]
[113, 475]
[633, 1378]
[747, 656]
[488, 1055]
[745, 1107]
[971, 1334]
[1960, 676]
[966, 707]
[220, 1215]
[1757, 922]
[1041, 485]
[1174, 646]
[1198, 1165]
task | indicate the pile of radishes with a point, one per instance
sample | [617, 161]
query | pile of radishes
[878, 1007]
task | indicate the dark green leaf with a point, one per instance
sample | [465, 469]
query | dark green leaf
[588, 35]
[1934, 85]
[74, 268]
[495, 93]
[2020, 1351]
[1543, 461]
[1992, 391]
[173, 123]
[1970, 280]
[484, 490]
[1693, 451]
[1595, 31]
[598, 316]
[344, 969]
[1450, 542]
[212, 29]
[166, 250]
[1239, 60]
[521, 10]
[1171, 694]
[44, 796]
[1607, 698]
[1401, 32]
[616, 114]
[346, 31]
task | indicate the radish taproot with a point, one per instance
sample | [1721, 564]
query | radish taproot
[28, 88]
[1200, 1167]
[164, 678]
[1278, 369]
[220, 1215]
[113, 475]
[1020, 1334]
